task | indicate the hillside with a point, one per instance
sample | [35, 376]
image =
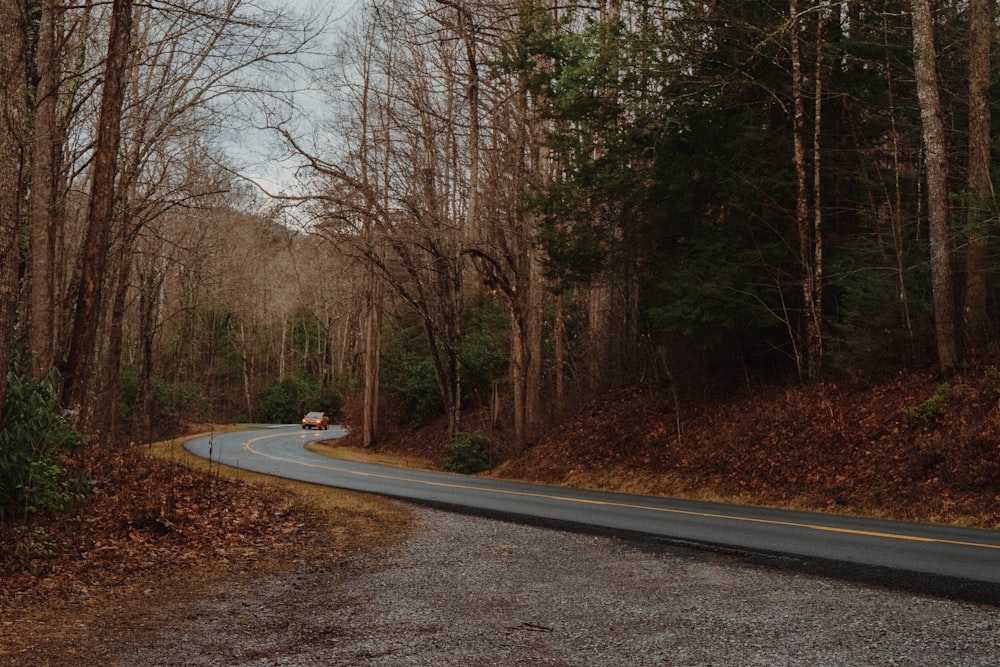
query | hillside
[912, 448]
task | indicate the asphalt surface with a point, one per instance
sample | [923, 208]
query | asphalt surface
[960, 563]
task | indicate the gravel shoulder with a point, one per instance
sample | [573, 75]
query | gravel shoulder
[462, 590]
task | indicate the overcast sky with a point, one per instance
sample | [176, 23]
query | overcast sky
[258, 153]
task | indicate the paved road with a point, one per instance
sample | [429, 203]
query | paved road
[943, 560]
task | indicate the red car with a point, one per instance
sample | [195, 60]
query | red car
[316, 420]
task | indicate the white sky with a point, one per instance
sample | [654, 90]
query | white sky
[260, 154]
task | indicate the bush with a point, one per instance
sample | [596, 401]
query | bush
[931, 409]
[484, 355]
[34, 437]
[871, 330]
[285, 401]
[408, 369]
[468, 454]
[408, 372]
[179, 400]
[170, 401]
[24, 544]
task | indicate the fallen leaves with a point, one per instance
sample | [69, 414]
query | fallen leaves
[807, 443]
[145, 515]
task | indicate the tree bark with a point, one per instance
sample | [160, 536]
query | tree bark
[107, 415]
[815, 279]
[246, 357]
[373, 357]
[976, 315]
[932, 121]
[559, 341]
[599, 311]
[45, 177]
[534, 322]
[13, 107]
[76, 372]
[467, 29]
[518, 374]
[149, 288]
[807, 202]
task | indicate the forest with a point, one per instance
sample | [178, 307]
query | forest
[237, 211]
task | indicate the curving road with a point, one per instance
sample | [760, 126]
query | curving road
[955, 562]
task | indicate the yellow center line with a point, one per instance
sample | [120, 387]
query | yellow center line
[586, 501]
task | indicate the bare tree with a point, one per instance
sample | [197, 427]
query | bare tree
[373, 280]
[397, 199]
[936, 157]
[808, 215]
[13, 107]
[506, 256]
[45, 182]
[444, 159]
[76, 372]
[977, 320]
[185, 63]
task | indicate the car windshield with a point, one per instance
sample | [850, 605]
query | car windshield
[314, 415]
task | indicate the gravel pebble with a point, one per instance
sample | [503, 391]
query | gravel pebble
[466, 591]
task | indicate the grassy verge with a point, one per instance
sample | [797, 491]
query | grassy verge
[338, 451]
[359, 519]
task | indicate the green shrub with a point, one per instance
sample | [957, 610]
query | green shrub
[408, 372]
[484, 355]
[468, 454]
[176, 400]
[408, 369]
[34, 437]
[285, 401]
[24, 544]
[871, 329]
[418, 389]
[170, 401]
[931, 409]
[129, 393]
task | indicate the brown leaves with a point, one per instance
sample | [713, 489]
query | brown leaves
[817, 445]
[145, 514]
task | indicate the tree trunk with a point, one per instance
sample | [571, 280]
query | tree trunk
[471, 231]
[12, 110]
[559, 336]
[534, 322]
[282, 349]
[373, 358]
[518, 374]
[149, 291]
[807, 214]
[246, 356]
[894, 208]
[45, 177]
[106, 418]
[932, 121]
[815, 281]
[373, 295]
[76, 372]
[977, 320]
[598, 333]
